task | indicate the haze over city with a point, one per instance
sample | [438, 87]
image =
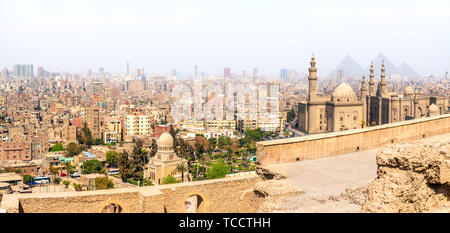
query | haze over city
[73, 36]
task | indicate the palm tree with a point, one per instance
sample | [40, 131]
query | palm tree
[230, 159]
[244, 157]
[53, 170]
[181, 167]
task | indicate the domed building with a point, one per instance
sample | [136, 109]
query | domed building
[329, 113]
[165, 161]
[344, 109]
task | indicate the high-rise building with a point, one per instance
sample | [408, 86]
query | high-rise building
[284, 73]
[195, 71]
[93, 121]
[227, 72]
[255, 73]
[292, 74]
[25, 71]
[128, 68]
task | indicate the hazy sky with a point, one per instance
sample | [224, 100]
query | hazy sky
[160, 35]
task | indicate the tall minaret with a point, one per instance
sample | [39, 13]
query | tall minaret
[383, 80]
[363, 87]
[371, 81]
[364, 102]
[312, 79]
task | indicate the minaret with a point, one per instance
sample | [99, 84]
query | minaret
[371, 81]
[364, 102]
[363, 88]
[383, 80]
[312, 79]
[416, 103]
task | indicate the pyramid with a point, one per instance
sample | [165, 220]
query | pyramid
[349, 67]
[407, 71]
[391, 69]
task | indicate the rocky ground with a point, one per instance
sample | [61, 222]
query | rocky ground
[410, 177]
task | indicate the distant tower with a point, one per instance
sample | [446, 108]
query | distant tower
[312, 79]
[243, 74]
[227, 72]
[371, 81]
[364, 101]
[255, 73]
[195, 71]
[446, 75]
[128, 68]
[284, 73]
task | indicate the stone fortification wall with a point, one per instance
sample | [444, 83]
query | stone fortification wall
[330, 144]
[219, 195]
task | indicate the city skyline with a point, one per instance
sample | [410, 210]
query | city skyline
[64, 36]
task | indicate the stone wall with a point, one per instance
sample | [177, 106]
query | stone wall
[330, 144]
[218, 196]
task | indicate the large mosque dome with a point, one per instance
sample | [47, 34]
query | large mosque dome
[344, 92]
[409, 91]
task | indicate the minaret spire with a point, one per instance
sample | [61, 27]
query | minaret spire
[312, 79]
[383, 77]
[371, 81]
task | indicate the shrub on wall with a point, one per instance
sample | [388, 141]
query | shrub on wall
[169, 180]
[103, 183]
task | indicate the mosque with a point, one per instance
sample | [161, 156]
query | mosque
[344, 110]
[165, 161]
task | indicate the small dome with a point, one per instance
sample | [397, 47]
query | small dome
[433, 108]
[165, 140]
[344, 90]
[409, 90]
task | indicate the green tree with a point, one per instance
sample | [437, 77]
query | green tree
[244, 156]
[181, 167]
[92, 166]
[224, 141]
[85, 136]
[28, 179]
[66, 183]
[77, 187]
[57, 147]
[138, 161]
[69, 168]
[217, 170]
[73, 149]
[169, 180]
[290, 115]
[99, 141]
[124, 166]
[112, 158]
[103, 183]
[154, 148]
[212, 144]
[53, 170]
